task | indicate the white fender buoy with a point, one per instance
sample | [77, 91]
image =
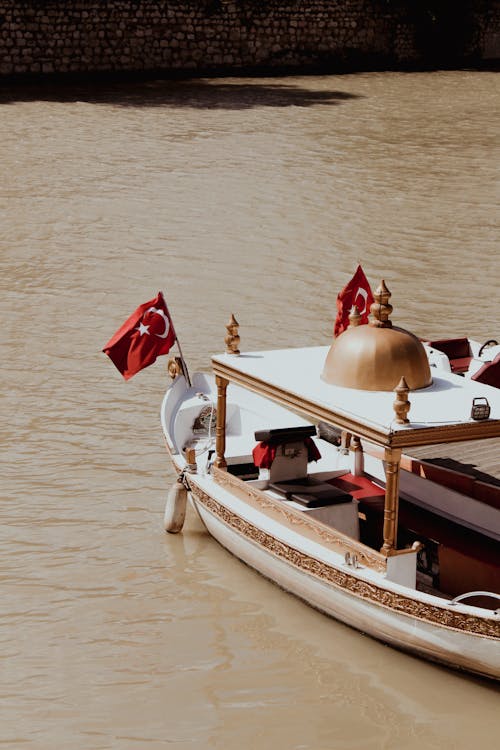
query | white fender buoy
[175, 508]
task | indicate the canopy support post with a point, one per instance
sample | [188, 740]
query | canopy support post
[220, 432]
[345, 442]
[359, 460]
[392, 463]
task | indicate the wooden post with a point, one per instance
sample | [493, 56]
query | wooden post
[220, 432]
[359, 462]
[392, 462]
[345, 442]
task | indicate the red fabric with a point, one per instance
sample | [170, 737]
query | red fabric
[489, 373]
[143, 337]
[264, 453]
[461, 364]
[356, 292]
[358, 487]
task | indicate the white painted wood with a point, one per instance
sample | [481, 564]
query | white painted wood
[343, 517]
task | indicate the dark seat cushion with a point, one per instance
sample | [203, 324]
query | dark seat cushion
[310, 492]
[285, 434]
[318, 500]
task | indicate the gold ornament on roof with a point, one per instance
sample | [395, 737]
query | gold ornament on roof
[354, 316]
[381, 309]
[232, 339]
[401, 404]
[373, 357]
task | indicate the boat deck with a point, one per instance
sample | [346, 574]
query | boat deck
[479, 459]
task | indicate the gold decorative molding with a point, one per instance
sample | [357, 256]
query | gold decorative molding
[401, 404]
[354, 317]
[444, 617]
[232, 339]
[311, 528]
[381, 309]
[174, 367]
[391, 504]
[220, 430]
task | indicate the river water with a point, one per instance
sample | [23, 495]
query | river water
[252, 196]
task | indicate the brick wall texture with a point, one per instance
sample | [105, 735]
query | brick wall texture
[198, 36]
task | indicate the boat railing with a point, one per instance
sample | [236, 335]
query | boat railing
[472, 594]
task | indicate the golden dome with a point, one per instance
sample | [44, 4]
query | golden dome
[376, 356]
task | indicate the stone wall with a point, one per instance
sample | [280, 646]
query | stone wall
[87, 36]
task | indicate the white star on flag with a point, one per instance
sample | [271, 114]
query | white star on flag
[143, 329]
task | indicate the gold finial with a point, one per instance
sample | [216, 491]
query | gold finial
[354, 316]
[381, 309]
[174, 367]
[401, 404]
[232, 339]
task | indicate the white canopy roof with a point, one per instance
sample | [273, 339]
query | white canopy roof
[439, 413]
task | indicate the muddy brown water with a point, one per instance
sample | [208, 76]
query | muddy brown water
[252, 196]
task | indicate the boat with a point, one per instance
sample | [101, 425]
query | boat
[466, 357]
[294, 459]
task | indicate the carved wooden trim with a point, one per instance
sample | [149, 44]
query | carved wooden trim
[391, 505]
[311, 528]
[220, 431]
[448, 618]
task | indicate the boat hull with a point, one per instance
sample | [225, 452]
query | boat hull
[291, 569]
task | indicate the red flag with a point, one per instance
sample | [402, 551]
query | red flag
[146, 335]
[356, 292]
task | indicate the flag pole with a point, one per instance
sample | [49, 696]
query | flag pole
[183, 361]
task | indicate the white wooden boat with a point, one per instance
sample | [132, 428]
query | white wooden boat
[391, 553]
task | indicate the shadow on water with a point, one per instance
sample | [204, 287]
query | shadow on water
[196, 94]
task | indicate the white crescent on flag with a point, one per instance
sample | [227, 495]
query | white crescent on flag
[166, 320]
[363, 294]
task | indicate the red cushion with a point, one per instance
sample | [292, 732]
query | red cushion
[453, 348]
[489, 373]
[461, 364]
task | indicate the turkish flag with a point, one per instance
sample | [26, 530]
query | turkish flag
[146, 335]
[356, 292]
